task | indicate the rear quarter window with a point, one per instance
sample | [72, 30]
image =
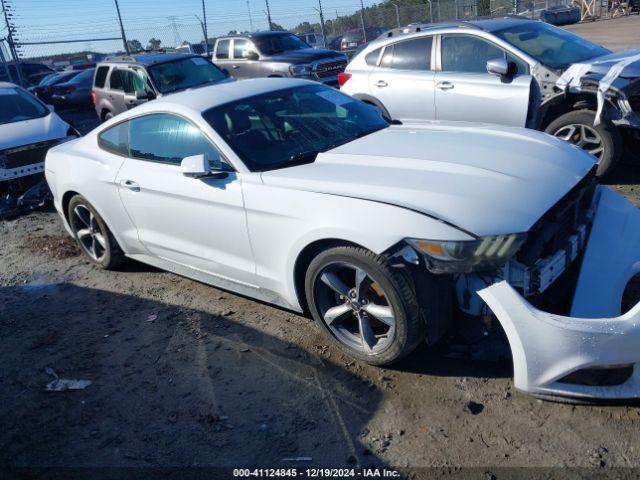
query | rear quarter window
[115, 139]
[372, 57]
[101, 77]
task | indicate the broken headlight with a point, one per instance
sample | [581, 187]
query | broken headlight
[484, 253]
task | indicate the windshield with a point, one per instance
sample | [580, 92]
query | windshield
[184, 73]
[290, 127]
[17, 105]
[552, 46]
[273, 44]
[84, 77]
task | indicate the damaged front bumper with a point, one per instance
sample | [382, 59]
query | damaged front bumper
[557, 356]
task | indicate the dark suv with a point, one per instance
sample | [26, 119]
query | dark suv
[277, 54]
[121, 83]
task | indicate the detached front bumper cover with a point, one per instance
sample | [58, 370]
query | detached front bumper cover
[546, 348]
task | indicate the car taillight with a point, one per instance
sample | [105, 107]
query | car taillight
[343, 44]
[343, 78]
[93, 97]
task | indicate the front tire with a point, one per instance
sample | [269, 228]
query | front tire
[93, 235]
[364, 306]
[602, 141]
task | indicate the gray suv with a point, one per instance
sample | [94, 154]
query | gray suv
[277, 54]
[506, 71]
[121, 83]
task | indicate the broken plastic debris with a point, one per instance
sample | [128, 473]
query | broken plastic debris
[152, 317]
[62, 384]
[297, 459]
[573, 75]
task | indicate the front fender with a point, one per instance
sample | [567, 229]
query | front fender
[282, 222]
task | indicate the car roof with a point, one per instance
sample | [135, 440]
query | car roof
[255, 34]
[203, 98]
[147, 58]
[487, 25]
[8, 85]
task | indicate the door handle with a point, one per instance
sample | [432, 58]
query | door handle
[130, 184]
[444, 85]
[381, 84]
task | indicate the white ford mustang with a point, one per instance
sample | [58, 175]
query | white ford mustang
[294, 193]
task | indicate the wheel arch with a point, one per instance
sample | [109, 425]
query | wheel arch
[373, 101]
[304, 259]
[564, 104]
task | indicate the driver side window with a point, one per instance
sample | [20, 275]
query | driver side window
[161, 137]
[470, 54]
[167, 138]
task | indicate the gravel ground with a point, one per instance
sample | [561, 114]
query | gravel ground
[184, 374]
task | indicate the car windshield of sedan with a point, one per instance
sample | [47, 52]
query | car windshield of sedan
[184, 73]
[552, 46]
[18, 106]
[290, 127]
[273, 44]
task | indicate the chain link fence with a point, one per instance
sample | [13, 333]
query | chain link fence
[105, 38]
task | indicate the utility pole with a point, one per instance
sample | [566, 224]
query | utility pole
[12, 46]
[364, 30]
[250, 19]
[204, 27]
[124, 38]
[397, 13]
[324, 36]
[269, 15]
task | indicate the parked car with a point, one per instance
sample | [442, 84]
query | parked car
[121, 83]
[296, 194]
[195, 48]
[277, 54]
[506, 71]
[315, 40]
[32, 73]
[28, 128]
[352, 39]
[74, 92]
[43, 89]
[333, 43]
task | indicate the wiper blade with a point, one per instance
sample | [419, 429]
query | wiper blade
[301, 158]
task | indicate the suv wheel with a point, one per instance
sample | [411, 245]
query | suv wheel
[365, 307]
[107, 116]
[602, 141]
[93, 235]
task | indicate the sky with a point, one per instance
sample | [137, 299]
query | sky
[171, 21]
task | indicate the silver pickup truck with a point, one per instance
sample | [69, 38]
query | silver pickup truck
[277, 54]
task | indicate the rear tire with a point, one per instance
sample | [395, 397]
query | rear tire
[603, 141]
[92, 234]
[107, 116]
[343, 285]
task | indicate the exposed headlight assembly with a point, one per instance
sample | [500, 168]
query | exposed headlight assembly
[303, 70]
[484, 253]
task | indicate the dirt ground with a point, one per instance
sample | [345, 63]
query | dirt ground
[185, 375]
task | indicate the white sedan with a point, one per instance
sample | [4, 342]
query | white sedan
[296, 194]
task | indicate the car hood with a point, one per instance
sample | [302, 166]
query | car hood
[42, 129]
[483, 179]
[601, 65]
[305, 55]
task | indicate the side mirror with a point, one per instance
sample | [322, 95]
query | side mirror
[195, 166]
[498, 66]
[199, 166]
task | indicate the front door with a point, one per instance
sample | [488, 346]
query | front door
[199, 223]
[403, 82]
[465, 91]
